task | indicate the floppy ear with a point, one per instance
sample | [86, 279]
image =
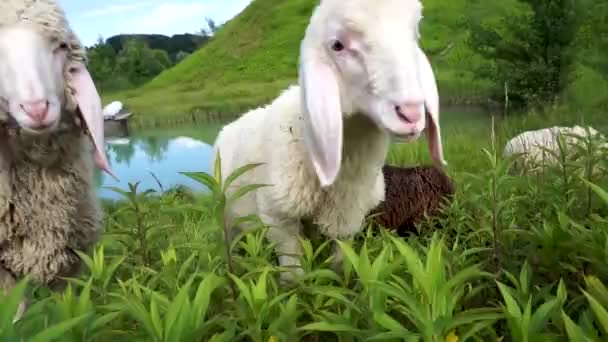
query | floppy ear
[89, 103]
[322, 114]
[431, 102]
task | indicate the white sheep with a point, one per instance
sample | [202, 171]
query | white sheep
[323, 143]
[540, 147]
[52, 138]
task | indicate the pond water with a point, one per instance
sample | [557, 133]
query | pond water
[168, 151]
[163, 152]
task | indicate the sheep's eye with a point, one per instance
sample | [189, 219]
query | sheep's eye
[337, 46]
[62, 46]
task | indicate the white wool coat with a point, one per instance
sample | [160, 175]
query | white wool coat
[295, 192]
[531, 146]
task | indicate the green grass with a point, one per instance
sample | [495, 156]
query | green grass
[522, 258]
[254, 56]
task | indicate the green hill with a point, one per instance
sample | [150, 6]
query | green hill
[255, 55]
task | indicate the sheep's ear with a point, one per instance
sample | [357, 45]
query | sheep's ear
[322, 113]
[431, 102]
[89, 103]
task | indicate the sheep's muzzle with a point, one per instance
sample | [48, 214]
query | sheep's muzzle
[12, 127]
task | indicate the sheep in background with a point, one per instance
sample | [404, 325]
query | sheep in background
[530, 148]
[411, 193]
[51, 139]
[323, 143]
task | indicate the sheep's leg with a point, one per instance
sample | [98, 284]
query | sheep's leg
[337, 262]
[284, 233]
[346, 219]
[7, 282]
[71, 268]
[348, 229]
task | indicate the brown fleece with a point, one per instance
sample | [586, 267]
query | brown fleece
[48, 206]
[7, 281]
[410, 193]
[51, 210]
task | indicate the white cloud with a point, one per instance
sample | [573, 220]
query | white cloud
[187, 142]
[165, 15]
[118, 141]
[114, 9]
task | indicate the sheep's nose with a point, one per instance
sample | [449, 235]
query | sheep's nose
[37, 110]
[410, 111]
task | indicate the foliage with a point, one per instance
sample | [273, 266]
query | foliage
[141, 61]
[534, 57]
[593, 36]
[212, 27]
[128, 60]
[133, 65]
[517, 258]
[186, 42]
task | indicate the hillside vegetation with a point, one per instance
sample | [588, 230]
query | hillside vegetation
[255, 55]
[174, 45]
[127, 61]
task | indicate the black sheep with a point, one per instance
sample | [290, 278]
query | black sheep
[410, 193]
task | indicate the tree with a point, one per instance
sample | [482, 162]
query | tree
[593, 36]
[102, 59]
[212, 27]
[211, 24]
[532, 51]
[140, 62]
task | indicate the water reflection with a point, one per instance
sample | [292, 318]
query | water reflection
[133, 158]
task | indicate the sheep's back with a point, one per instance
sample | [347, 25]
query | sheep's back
[410, 193]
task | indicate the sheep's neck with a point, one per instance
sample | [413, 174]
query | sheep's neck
[360, 132]
[43, 150]
[363, 139]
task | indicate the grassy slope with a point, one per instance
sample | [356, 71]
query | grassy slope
[255, 55]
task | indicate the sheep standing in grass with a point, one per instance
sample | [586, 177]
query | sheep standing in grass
[537, 147]
[411, 194]
[362, 78]
[51, 139]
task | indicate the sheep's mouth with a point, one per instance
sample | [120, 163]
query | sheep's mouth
[40, 128]
[401, 115]
[406, 137]
[10, 123]
[12, 126]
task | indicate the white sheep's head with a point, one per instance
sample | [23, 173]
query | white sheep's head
[363, 57]
[43, 77]
[31, 82]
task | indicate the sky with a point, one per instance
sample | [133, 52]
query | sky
[92, 18]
